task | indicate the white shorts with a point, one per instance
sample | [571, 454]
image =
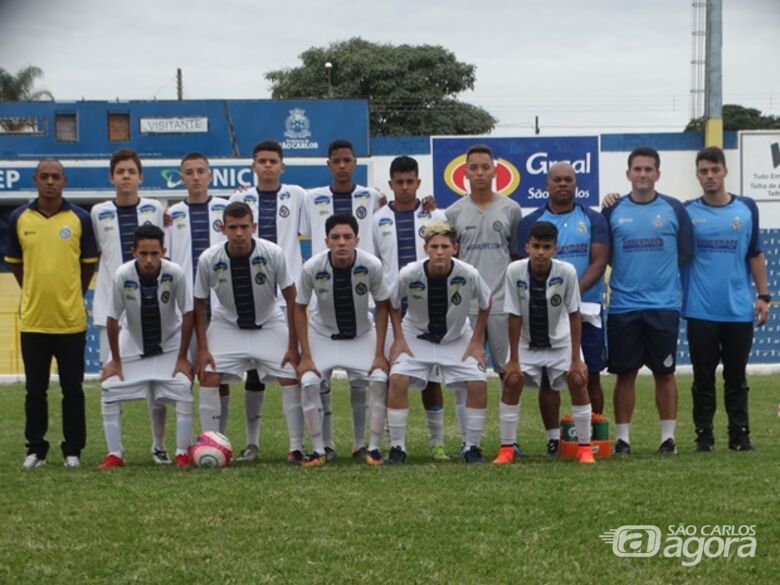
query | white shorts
[148, 378]
[496, 339]
[236, 351]
[438, 362]
[354, 356]
[553, 363]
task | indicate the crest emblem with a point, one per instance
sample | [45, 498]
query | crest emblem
[736, 224]
[297, 125]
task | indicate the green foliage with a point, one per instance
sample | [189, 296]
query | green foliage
[736, 117]
[21, 87]
[538, 521]
[411, 89]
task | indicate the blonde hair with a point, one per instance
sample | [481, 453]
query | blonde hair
[440, 228]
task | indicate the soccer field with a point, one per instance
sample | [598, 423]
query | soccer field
[535, 522]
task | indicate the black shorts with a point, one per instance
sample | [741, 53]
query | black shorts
[593, 348]
[647, 337]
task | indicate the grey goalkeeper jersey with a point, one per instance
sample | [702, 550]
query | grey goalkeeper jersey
[487, 237]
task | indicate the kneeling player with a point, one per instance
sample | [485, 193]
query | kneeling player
[342, 330]
[542, 298]
[149, 355]
[436, 332]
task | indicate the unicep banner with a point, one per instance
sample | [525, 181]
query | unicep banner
[521, 167]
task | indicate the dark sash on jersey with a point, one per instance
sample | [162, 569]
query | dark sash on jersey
[266, 212]
[243, 295]
[200, 231]
[151, 328]
[343, 303]
[405, 235]
[127, 220]
[437, 307]
[538, 323]
[342, 202]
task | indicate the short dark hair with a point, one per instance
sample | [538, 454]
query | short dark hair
[543, 231]
[711, 154]
[645, 151]
[269, 145]
[194, 156]
[340, 143]
[479, 149]
[126, 154]
[48, 159]
[404, 164]
[341, 219]
[148, 232]
[237, 209]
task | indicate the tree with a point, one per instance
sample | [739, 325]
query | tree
[411, 89]
[736, 117]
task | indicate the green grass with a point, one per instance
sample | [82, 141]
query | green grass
[535, 522]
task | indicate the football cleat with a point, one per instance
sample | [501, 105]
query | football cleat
[32, 460]
[438, 453]
[705, 442]
[110, 461]
[72, 461]
[296, 457]
[160, 456]
[315, 460]
[250, 453]
[374, 457]
[360, 453]
[506, 455]
[622, 448]
[397, 456]
[183, 461]
[668, 447]
[740, 441]
[473, 455]
[552, 448]
[330, 453]
[585, 454]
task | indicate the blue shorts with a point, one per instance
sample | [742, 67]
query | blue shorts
[593, 348]
[647, 337]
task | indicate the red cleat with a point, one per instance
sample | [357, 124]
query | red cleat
[183, 461]
[585, 454]
[110, 461]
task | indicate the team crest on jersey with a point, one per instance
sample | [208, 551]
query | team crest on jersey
[555, 281]
[360, 270]
[217, 225]
[736, 224]
[107, 215]
[260, 278]
[581, 227]
[284, 211]
[361, 212]
[165, 297]
[555, 300]
[65, 233]
[322, 276]
[456, 299]
[259, 261]
[658, 222]
[498, 226]
[220, 267]
[361, 288]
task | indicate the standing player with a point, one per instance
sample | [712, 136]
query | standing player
[342, 329]
[487, 226]
[149, 355]
[582, 241]
[718, 301]
[341, 197]
[650, 234]
[436, 334]
[280, 215]
[52, 253]
[247, 329]
[398, 241]
[543, 301]
[114, 223]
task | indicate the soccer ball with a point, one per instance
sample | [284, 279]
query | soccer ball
[212, 449]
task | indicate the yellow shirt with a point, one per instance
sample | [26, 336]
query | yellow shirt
[51, 250]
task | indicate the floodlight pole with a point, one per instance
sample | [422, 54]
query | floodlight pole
[713, 81]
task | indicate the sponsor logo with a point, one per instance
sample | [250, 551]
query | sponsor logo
[106, 215]
[423, 215]
[147, 209]
[322, 276]
[178, 215]
[297, 131]
[417, 285]
[218, 207]
[220, 266]
[623, 220]
[166, 278]
[507, 176]
[259, 261]
[360, 270]
[385, 222]
[555, 281]
[130, 285]
[360, 195]
[457, 281]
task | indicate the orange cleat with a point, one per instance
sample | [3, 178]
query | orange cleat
[315, 460]
[585, 454]
[506, 455]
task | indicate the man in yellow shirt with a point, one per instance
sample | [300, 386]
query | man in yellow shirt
[52, 253]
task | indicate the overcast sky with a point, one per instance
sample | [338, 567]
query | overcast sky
[609, 65]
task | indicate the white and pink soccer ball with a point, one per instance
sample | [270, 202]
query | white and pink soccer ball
[212, 449]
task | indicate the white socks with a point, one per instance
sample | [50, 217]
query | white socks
[435, 420]
[582, 418]
[253, 409]
[508, 417]
[553, 434]
[311, 401]
[460, 410]
[210, 408]
[184, 412]
[667, 429]
[377, 412]
[112, 426]
[359, 402]
[475, 424]
[293, 414]
[396, 423]
[621, 432]
[327, 415]
[157, 414]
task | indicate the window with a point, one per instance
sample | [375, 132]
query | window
[118, 127]
[66, 128]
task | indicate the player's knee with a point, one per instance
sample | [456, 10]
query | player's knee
[110, 408]
[184, 408]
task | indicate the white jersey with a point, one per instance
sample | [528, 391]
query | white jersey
[152, 310]
[195, 228]
[438, 308]
[562, 294]
[114, 227]
[341, 310]
[394, 231]
[289, 218]
[320, 205]
[245, 287]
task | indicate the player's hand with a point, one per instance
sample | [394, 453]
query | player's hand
[477, 351]
[577, 375]
[761, 312]
[306, 364]
[380, 363]
[382, 200]
[609, 200]
[513, 375]
[205, 359]
[291, 357]
[167, 219]
[429, 203]
[399, 346]
[184, 366]
[111, 369]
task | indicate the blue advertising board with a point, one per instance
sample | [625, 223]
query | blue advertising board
[521, 167]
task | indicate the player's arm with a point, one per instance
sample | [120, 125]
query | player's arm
[380, 321]
[18, 272]
[758, 270]
[201, 322]
[475, 348]
[599, 256]
[87, 272]
[291, 356]
[306, 363]
[183, 364]
[114, 366]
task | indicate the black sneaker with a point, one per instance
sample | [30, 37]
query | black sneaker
[360, 454]
[397, 456]
[705, 442]
[330, 454]
[552, 448]
[622, 448]
[473, 455]
[668, 447]
[740, 441]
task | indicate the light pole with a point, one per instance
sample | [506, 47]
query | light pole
[329, 72]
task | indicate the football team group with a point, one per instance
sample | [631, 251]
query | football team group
[399, 295]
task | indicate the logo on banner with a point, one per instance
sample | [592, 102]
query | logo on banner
[507, 176]
[297, 133]
[172, 178]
